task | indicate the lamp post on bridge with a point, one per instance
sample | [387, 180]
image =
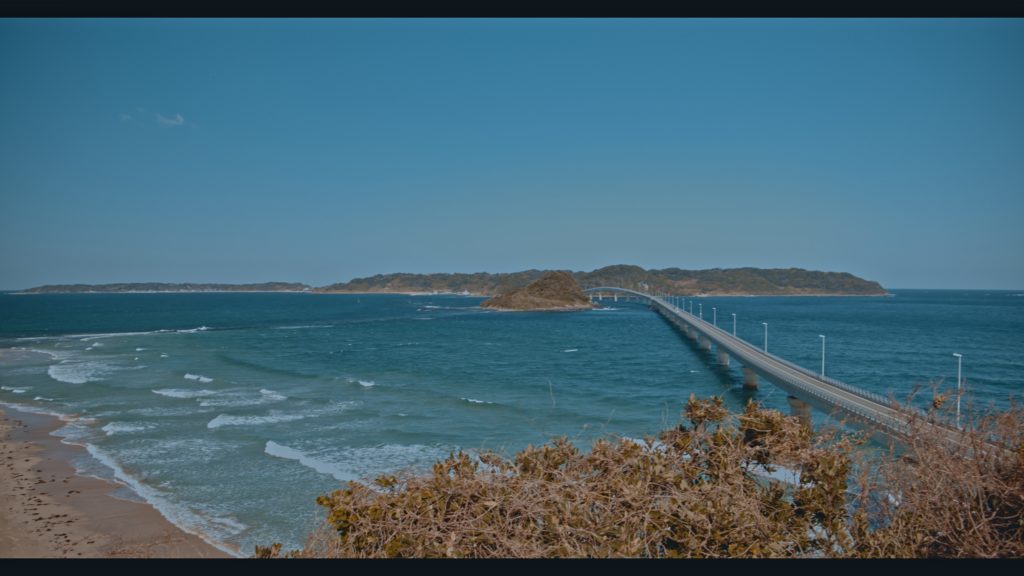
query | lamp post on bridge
[822, 336]
[714, 315]
[700, 310]
[959, 360]
[765, 337]
[733, 323]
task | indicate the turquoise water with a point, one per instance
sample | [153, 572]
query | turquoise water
[232, 412]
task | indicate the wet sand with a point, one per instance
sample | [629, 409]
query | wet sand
[47, 511]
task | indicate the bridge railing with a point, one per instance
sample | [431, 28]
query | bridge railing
[898, 422]
[813, 391]
[874, 397]
[832, 399]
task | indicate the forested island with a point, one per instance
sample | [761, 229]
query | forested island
[713, 282]
[556, 290]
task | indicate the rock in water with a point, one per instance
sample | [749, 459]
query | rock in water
[553, 291]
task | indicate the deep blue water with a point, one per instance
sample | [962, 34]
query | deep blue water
[232, 412]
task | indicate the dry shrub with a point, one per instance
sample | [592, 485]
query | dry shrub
[697, 491]
[937, 499]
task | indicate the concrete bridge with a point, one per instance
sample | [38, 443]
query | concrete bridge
[804, 386]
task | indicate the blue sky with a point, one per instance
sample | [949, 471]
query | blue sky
[322, 150]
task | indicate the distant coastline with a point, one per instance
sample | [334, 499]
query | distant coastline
[716, 282]
[165, 287]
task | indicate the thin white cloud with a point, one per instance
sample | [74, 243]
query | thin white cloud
[124, 117]
[176, 120]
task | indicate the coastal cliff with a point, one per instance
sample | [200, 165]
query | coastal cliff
[554, 291]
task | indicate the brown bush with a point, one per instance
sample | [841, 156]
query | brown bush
[697, 491]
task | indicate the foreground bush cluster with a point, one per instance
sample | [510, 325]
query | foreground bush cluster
[709, 489]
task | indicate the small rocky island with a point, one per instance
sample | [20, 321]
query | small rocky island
[554, 291]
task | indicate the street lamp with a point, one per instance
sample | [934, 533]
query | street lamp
[765, 337]
[822, 336]
[700, 309]
[959, 360]
[714, 315]
[733, 323]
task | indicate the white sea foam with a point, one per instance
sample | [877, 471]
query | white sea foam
[163, 355]
[271, 395]
[79, 372]
[605, 308]
[275, 449]
[209, 528]
[43, 398]
[233, 401]
[91, 337]
[193, 330]
[50, 353]
[475, 401]
[274, 416]
[199, 377]
[242, 397]
[140, 349]
[16, 390]
[125, 427]
[360, 463]
[183, 393]
[367, 383]
[431, 307]
[571, 350]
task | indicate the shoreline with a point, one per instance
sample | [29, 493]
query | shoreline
[47, 510]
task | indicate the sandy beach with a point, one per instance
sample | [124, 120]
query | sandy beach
[47, 511]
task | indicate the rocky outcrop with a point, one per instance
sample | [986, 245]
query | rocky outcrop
[554, 291]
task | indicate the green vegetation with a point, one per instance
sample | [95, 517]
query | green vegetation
[554, 291]
[696, 491]
[735, 281]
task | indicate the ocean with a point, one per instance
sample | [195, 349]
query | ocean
[231, 412]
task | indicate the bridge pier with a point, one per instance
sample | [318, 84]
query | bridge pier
[800, 409]
[749, 379]
[723, 357]
[705, 343]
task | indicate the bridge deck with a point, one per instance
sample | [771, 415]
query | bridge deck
[797, 380]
